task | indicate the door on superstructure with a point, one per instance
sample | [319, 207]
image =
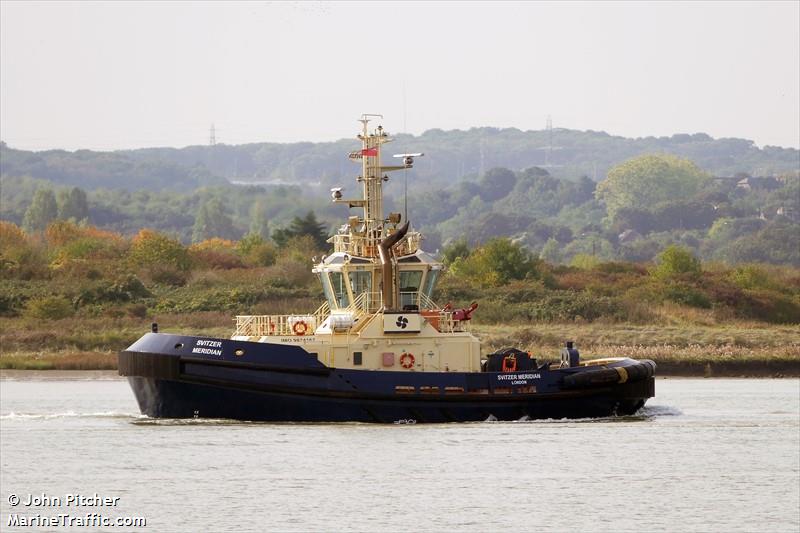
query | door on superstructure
[340, 356]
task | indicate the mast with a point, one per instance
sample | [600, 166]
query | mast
[372, 181]
[363, 234]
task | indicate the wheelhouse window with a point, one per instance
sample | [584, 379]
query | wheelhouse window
[340, 296]
[360, 281]
[409, 289]
[326, 288]
[430, 282]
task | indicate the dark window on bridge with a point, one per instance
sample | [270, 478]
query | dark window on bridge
[357, 358]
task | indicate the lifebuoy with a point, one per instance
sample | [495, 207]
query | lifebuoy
[300, 328]
[510, 363]
[407, 360]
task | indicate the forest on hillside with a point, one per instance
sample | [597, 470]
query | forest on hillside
[450, 157]
[729, 201]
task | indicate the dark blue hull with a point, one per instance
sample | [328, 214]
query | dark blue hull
[274, 382]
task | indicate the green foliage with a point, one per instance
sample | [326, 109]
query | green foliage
[73, 204]
[584, 261]
[676, 261]
[42, 211]
[751, 277]
[50, 308]
[497, 262]
[501, 276]
[256, 251]
[776, 242]
[213, 221]
[497, 183]
[551, 252]
[165, 259]
[249, 242]
[685, 294]
[299, 227]
[125, 289]
[458, 249]
[259, 219]
[19, 256]
[648, 180]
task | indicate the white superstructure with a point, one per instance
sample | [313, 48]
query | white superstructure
[378, 313]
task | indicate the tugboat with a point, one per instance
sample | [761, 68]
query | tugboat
[379, 349]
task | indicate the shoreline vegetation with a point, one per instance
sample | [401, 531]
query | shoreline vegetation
[744, 349]
[73, 296]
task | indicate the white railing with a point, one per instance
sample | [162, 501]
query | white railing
[355, 245]
[425, 302]
[266, 325]
[300, 324]
[366, 303]
[362, 246]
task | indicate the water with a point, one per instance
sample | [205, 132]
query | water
[705, 455]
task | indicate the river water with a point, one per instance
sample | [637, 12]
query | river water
[704, 455]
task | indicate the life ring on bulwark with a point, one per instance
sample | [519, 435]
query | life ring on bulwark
[510, 363]
[407, 360]
[300, 328]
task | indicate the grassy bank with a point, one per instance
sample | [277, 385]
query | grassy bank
[743, 349]
[737, 349]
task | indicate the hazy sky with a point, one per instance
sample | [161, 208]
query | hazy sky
[114, 75]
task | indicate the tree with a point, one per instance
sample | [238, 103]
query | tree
[496, 263]
[212, 221]
[551, 252]
[152, 249]
[256, 251]
[259, 224]
[73, 205]
[303, 226]
[497, 183]
[676, 261]
[42, 211]
[456, 250]
[647, 180]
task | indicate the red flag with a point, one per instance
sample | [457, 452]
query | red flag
[370, 152]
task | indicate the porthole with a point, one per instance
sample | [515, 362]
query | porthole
[239, 352]
[179, 346]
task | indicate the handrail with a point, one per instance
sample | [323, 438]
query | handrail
[366, 303]
[425, 302]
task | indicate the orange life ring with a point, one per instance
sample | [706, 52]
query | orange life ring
[300, 328]
[510, 363]
[407, 360]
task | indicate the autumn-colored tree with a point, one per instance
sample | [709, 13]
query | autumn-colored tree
[20, 256]
[216, 253]
[11, 236]
[150, 248]
[497, 262]
[62, 232]
[255, 251]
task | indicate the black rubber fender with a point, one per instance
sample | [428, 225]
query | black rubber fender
[638, 371]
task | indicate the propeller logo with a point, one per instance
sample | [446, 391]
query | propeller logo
[402, 322]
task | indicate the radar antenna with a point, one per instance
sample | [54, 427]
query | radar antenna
[408, 162]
